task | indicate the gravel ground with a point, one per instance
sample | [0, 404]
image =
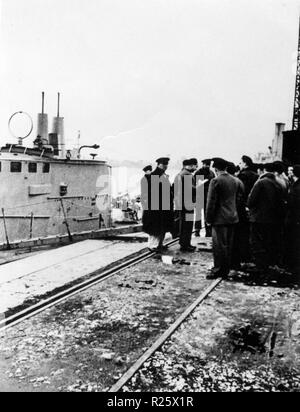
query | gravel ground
[88, 342]
[243, 339]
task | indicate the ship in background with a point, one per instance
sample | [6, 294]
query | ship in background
[47, 190]
[286, 143]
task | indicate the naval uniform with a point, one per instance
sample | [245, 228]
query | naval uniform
[267, 206]
[222, 214]
[184, 207]
[158, 212]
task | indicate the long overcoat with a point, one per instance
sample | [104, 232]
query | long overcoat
[158, 215]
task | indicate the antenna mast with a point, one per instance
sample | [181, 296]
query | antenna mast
[78, 139]
[43, 102]
[58, 104]
[296, 117]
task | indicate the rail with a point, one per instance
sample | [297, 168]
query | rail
[34, 310]
[163, 338]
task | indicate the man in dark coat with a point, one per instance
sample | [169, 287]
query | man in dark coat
[184, 207]
[222, 214]
[238, 245]
[247, 174]
[266, 206]
[248, 177]
[292, 247]
[281, 177]
[157, 203]
[208, 175]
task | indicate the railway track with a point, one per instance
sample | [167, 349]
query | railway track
[163, 338]
[45, 304]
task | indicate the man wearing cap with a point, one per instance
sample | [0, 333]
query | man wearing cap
[292, 255]
[145, 186]
[242, 235]
[148, 170]
[184, 205]
[222, 214]
[194, 165]
[291, 174]
[207, 174]
[281, 177]
[247, 174]
[157, 198]
[266, 205]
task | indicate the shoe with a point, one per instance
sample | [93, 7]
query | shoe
[255, 271]
[236, 267]
[182, 262]
[154, 250]
[212, 277]
[217, 274]
[189, 249]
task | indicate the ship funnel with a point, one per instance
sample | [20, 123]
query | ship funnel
[58, 129]
[278, 141]
[42, 129]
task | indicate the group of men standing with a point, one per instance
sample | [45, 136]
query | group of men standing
[252, 212]
[172, 207]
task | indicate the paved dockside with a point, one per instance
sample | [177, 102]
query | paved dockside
[26, 279]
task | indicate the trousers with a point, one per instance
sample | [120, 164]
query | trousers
[223, 237]
[186, 225]
[241, 247]
[265, 245]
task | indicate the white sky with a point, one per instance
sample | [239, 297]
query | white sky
[179, 77]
